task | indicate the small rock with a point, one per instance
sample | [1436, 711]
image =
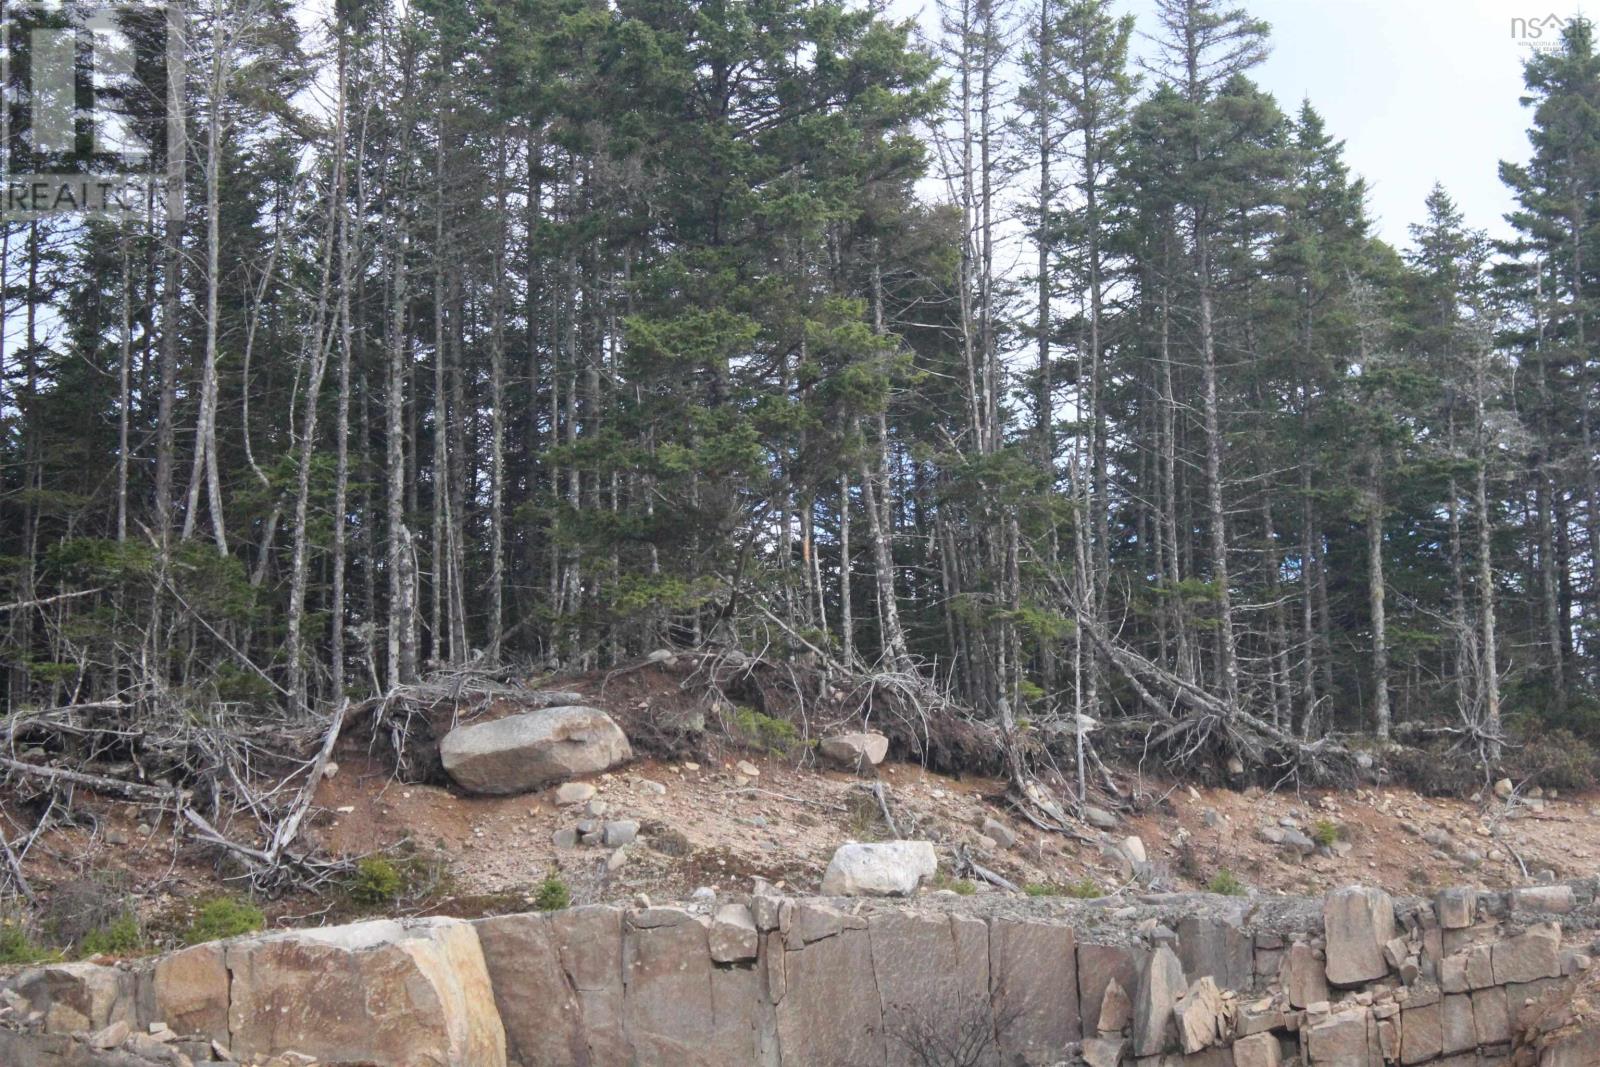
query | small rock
[595, 808]
[748, 769]
[574, 793]
[111, 1036]
[653, 787]
[1503, 788]
[1002, 834]
[567, 838]
[617, 859]
[662, 655]
[704, 895]
[116, 837]
[1099, 818]
[330, 769]
[1133, 848]
[620, 832]
[1299, 842]
[1103, 1051]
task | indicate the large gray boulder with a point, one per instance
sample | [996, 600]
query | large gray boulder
[855, 751]
[524, 752]
[879, 869]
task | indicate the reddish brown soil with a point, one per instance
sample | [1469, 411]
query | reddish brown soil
[716, 827]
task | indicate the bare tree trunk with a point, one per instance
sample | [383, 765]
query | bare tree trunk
[320, 341]
[847, 626]
[124, 390]
[1182, 653]
[205, 445]
[1216, 516]
[1545, 491]
[895, 650]
[896, 654]
[1375, 598]
[341, 489]
[402, 650]
[1486, 594]
[497, 429]
[171, 301]
[440, 553]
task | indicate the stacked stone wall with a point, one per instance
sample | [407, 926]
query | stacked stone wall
[1356, 979]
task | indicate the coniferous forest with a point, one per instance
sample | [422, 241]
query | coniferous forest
[1007, 357]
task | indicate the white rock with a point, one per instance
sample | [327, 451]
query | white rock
[888, 868]
[574, 793]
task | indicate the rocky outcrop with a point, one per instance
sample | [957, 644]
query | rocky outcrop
[407, 994]
[520, 753]
[879, 869]
[1158, 981]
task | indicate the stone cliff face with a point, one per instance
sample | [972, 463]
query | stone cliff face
[1354, 980]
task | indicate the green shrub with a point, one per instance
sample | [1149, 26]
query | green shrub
[864, 817]
[764, 733]
[224, 917]
[553, 894]
[960, 886]
[1226, 883]
[17, 947]
[1325, 832]
[120, 937]
[376, 881]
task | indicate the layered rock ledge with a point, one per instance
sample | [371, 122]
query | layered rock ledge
[1355, 979]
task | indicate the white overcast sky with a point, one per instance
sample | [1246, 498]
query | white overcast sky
[1419, 90]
